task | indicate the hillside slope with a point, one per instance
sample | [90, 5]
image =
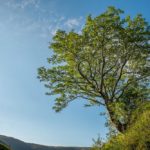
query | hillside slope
[16, 144]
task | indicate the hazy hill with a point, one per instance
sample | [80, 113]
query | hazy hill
[16, 144]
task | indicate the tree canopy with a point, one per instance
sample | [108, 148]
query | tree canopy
[107, 64]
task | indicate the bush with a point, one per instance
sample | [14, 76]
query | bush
[3, 147]
[137, 137]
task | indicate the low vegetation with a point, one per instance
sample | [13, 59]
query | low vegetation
[137, 137]
[3, 147]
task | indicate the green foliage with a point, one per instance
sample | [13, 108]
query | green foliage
[3, 147]
[98, 143]
[137, 137]
[107, 64]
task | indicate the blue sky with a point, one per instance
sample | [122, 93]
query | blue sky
[26, 28]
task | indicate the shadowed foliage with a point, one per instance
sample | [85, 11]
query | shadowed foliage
[4, 146]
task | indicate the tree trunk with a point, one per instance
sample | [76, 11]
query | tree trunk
[116, 123]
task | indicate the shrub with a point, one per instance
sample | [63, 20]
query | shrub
[137, 137]
[3, 147]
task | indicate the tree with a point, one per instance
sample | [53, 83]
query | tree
[107, 64]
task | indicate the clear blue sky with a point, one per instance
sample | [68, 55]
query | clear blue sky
[26, 28]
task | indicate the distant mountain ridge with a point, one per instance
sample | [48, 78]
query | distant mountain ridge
[16, 144]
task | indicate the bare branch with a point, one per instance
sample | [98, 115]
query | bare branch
[127, 84]
[93, 100]
[118, 79]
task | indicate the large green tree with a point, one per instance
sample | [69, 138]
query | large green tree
[107, 64]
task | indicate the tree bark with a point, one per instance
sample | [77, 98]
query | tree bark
[116, 123]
